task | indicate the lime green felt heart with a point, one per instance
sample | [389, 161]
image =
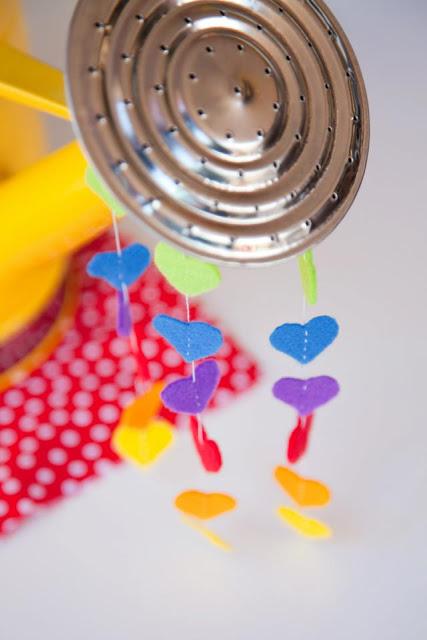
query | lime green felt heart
[189, 276]
[98, 186]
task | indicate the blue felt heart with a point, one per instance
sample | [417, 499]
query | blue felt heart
[122, 269]
[192, 340]
[304, 342]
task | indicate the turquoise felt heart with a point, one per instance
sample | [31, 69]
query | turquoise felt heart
[122, 269]
[304, 342]
[192, 340]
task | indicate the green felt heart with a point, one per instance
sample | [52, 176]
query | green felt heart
[189, 276]
[98, 186]
[308, 276]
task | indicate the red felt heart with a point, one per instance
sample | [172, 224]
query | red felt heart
[208, 450]
[298, 440]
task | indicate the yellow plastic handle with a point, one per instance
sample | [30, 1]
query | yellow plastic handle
[30, 82]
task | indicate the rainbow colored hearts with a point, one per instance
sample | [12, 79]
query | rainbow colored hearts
[192, 396]
[189, 276]
[119, 270]
[304, 342]
[304, 491]
[192, 340]
[306, 395]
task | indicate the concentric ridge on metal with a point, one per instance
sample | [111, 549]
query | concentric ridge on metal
[238, 130]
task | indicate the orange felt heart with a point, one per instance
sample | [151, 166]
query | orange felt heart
[204, 505]
[305, 492]
[144, 408]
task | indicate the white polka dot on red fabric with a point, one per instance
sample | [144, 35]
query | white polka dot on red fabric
[81, 417]
[240, 380]
[7, 415]
[240, 361]
[105, 367]
[45, 432]
[57, 400]
[59, 417]
[10, 525]
[57, 456]
[77, 468]
[223, 367]
[14, 398]
[4, 455]
[28, 444]
[78, 367]
[70, 438]
[149, 294]
[62, 384]
[128, 364]
[100, 433]
[92, 351]
[108, 392]
[36, 385]
[150, 348]
[4, 508]
[171, 358]
[91, 451]
[25, 506]
[37, 492]
[8, 437]
[109, 413]
[4, 473]
[225, 350]
[119, 347]
[89, 298]
[64, 354]
[138, 312]
[223, 397]
[44, 475]
[51, 369]
[155, 370]
[90, 382]
[69, 487]
[11, 487]
[26, 461]
[126, 398]
[34, 406]
[82, 399]
[102, 466]
[27, 423]
[90, 318]
[124, 379]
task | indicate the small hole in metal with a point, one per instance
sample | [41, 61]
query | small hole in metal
[276, 106]
[93, 69]
[203, 160]
[241, 173]
[228, 135]
[302, 98]
[158, 87]
[192, 76]
[330, 32]
[127, 102]
[209, 49]
[330, 129]
[348, 73]
[310, 44]
[201, 112]
[334, 196]
[275, 164]
[188, 20]
[350, 160]
[327, 85]
[125, 57]
[100, 117]
[164, 48]
[240, 47]
[307, 224]
[288, 58]
[298, 137]
[267, 71]
[259, 27]
[146, 147]
[237, 90]
[318, 167]
[122, 165]
[100, 26]
[177, 182]
[280, 10]
[293, 195]
[260, 133]
[173, 129]
[222, 12]
[356, 119]
[139, 17]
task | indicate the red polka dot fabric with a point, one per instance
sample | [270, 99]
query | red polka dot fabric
[56, 425]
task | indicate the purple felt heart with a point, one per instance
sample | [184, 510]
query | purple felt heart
[191, 396]
[306, 395]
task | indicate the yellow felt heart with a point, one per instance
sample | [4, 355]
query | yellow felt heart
[189, 276]
[305, 526]
[143, 446]
[305, 492]
[144, 408]
[204, 505]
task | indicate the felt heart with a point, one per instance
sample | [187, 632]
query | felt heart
[141, 410]
[189, 276]
[192, 340]
[305, 526]
[119, 270]
[304, 342]
[192, 396]
[308, 276]
[208, 450]
[204, 505]
[306, 395]
[98, 186]
[207, 533]
[143, 446]
[305, 492]
[299, 438]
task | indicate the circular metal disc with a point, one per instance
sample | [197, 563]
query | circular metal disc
[238, 130]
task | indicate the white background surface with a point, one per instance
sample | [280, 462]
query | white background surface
[116, 563]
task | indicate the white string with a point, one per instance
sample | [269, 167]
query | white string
[193, 363]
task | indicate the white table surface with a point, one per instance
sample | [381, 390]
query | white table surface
[115, 563]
